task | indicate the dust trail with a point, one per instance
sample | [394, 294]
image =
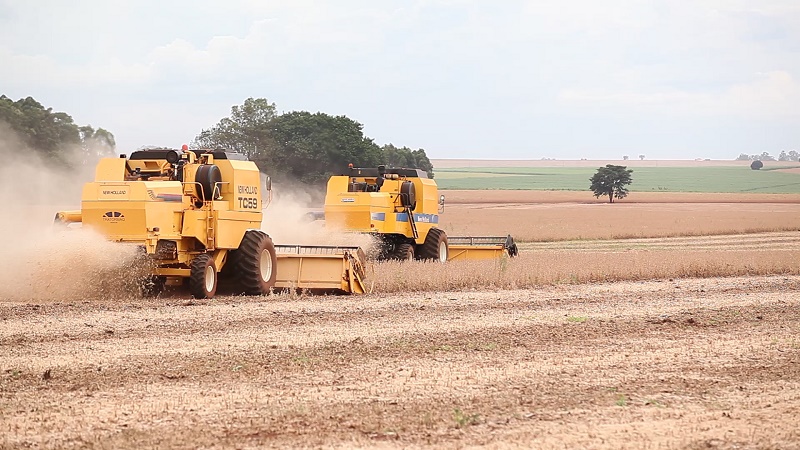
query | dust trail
[39, 262]
[286, 221]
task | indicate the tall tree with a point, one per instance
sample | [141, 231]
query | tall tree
[405, 157]
[612, 181]
[97, 143]
[41, 129]
[311, 147]
[247, 131]
[301, 145]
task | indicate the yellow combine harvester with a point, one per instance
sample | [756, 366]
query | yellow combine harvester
[197, 216]
[401, 207]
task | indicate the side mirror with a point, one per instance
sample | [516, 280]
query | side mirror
[441, 203]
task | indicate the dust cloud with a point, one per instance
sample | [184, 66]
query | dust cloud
[286, 220]
[39, 261]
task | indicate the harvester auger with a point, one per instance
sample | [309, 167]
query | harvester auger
[401, 207]
[196, 215]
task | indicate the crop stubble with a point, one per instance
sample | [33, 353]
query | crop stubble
[672, 364]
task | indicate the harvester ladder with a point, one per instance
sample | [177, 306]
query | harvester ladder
[411, 221]
[210, 236]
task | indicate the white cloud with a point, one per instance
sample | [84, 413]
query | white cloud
[773, 95]
[410, 69]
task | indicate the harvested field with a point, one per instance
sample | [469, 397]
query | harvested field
[693, 363]
[549, 216]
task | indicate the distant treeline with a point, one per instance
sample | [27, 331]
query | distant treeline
[303, 146]
[296, 145]
[54, 135]
[791, 155]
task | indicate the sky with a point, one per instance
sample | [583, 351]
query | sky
[566, 79]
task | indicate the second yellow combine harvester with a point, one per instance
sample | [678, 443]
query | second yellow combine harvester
[401, 207]
[196, 215]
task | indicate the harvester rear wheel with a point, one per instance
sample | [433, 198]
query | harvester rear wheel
[203, 277]
[403, 252]
[256, 263]
[435, 246]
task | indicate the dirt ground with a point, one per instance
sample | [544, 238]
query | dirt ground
[692, 363]
[563, 215]
[510, 197]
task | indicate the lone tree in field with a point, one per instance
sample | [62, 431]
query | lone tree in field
[756, 165]
[612, 181]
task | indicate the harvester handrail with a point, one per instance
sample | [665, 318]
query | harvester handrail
[202, 192]
[218, 189]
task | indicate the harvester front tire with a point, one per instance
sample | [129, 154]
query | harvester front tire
[403, 252]
[435, 247]
[203, 278]
[256, 263]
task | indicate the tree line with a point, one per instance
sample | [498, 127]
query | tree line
[303, 146]
[295, 145]
[791, 155]
[54, 136]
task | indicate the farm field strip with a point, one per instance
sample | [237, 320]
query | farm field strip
[738, 242]
[720, 179]
[550, 197]
[617, 361]
[558, 222]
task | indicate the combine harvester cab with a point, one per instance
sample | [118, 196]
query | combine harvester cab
[401, 207]
[197, 216]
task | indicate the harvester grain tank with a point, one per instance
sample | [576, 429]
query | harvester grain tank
[197, 217]
[401, 207]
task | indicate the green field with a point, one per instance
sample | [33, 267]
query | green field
[645, 179]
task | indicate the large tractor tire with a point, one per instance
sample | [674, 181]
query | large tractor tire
[203, 277]
[403, 252]
[408, 195]
[208, 176]
[435, 246]
[255, 263]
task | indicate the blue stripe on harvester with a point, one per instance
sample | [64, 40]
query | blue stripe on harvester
[377, 216]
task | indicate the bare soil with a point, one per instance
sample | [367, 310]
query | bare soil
[694, 363]
[561, 215]
[510, 197]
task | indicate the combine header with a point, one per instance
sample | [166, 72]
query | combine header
[401, 207]
[482, 247]
[321, 269]
[196, 215]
